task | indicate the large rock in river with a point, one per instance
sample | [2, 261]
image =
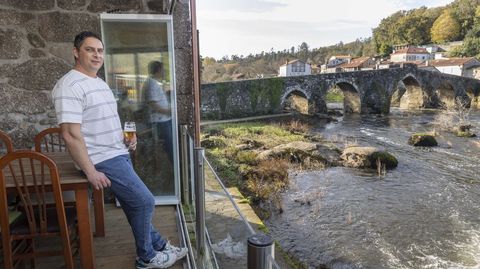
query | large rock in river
[367, 157]
[302, 152]
[422, 140]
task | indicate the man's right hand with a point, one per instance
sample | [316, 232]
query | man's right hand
[98, 180]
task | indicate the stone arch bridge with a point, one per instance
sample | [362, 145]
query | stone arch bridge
[373, 91]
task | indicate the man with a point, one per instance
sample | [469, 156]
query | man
[158, 107]
[87, 113]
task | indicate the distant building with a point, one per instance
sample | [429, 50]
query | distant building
[387, 64]
[410, 54]
[357, 64]
[334, 62]
[294, 68]
[339, 59]
[436, 52]
[465, 67]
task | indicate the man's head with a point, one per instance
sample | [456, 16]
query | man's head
[155, 69]
[88, 53]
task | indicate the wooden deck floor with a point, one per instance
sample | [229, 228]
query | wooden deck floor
[117, 249]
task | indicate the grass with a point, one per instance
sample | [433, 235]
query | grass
[231, 162]
[334, 97]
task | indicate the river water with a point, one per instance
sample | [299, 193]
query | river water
[423, 214]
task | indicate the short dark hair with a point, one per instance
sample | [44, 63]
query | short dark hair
[82, 36]
[154, 67]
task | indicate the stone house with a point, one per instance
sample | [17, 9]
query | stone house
[410, 54]
[294, 68]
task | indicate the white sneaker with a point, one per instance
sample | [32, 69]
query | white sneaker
[161, 260]
[179, 252]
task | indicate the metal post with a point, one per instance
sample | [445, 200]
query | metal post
[200, 205]
[260, 246]
[184, 165]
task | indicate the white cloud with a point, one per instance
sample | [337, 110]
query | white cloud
[241, 27]
[257, 6]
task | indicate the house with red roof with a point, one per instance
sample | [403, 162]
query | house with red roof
[410, 54]
[357, 64]
[465, 67]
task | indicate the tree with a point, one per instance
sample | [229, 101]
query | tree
[445, 28]
[208, 61]
[471, 44]
[385, 49]
[464, 13]
[414, 27]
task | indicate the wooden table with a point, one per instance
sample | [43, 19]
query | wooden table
[72, 179]
[67, 170]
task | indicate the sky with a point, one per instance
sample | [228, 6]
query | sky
[241, 27]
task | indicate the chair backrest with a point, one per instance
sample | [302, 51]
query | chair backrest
[6, 144]
[50, 140]
[33, 175]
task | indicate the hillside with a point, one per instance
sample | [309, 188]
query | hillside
[459, 20]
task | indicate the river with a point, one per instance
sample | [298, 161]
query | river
[423, 214]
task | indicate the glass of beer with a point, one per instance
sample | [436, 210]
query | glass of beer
[129, 131]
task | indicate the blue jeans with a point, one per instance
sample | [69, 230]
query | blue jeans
[137, 203]
[163, 130]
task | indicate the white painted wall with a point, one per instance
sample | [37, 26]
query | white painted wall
[282, 72]
[453, 70]
[292, 70]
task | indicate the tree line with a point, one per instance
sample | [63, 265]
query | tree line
[459, 20]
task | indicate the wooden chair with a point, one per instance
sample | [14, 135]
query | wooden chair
[6, 144]
[32, 175]
[50, 140]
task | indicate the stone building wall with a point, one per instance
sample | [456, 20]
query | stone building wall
[36, 42]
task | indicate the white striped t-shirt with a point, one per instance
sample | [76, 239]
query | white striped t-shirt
[89, 101]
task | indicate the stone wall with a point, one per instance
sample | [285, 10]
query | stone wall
[36, 39]
[239, 99]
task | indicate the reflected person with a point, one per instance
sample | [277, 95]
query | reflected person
[158, 106]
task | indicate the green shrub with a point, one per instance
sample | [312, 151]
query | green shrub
[247, 157]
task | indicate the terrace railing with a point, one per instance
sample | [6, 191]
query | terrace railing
[219, 233]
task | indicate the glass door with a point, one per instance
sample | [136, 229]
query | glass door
[139, 68]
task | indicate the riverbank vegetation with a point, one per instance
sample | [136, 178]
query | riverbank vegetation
[256, 157]
[456, 119]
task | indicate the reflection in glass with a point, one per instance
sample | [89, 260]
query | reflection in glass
[138, 60]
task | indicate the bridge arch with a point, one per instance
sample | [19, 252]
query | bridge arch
[474, 98]
[446, 95]
[296, 98]
[409, 94]
[351, 96]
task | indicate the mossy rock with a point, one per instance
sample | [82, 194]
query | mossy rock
[366, 157]
[422, 140]
[385, 158]
[465, 134]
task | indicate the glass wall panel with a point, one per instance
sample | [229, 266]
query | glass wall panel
[138, 63]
